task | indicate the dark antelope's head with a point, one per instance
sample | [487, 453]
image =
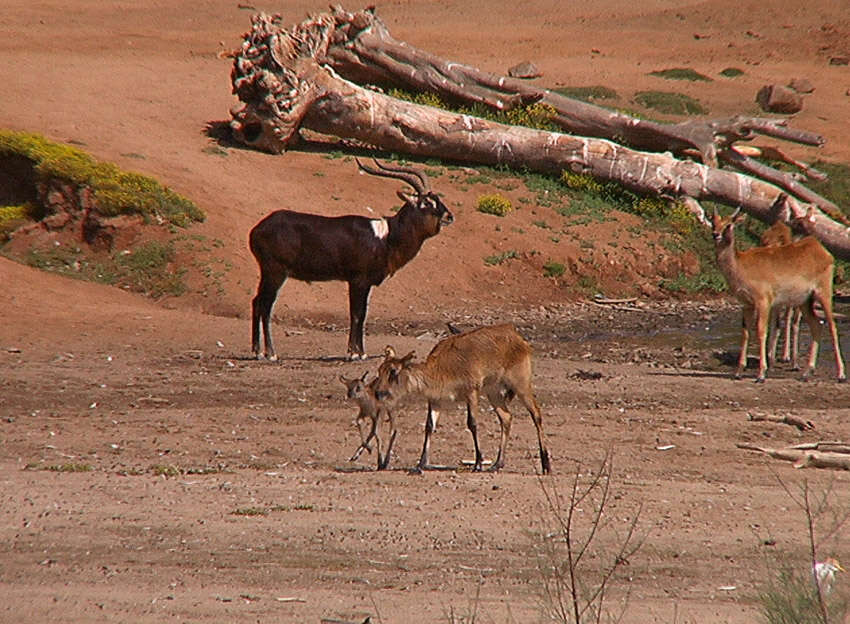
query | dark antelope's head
[426, 201]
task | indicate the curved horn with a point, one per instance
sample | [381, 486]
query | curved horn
[400, 174]
[426, 183]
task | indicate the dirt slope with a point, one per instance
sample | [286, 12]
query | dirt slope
[94, 376]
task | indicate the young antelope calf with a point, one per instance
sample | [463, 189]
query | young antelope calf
[495, 361]
[371, 408]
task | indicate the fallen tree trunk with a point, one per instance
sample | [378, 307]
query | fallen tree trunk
[279, 78]
[364, 51]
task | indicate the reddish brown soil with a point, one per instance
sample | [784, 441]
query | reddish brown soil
[94, 376]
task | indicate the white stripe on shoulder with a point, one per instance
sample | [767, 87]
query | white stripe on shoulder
[380, 228]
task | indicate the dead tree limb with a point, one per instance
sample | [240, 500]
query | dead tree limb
[799, 423]
[363, 50]
[283, 85]
[804, 458]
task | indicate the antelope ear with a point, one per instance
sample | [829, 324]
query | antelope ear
[364, 376]
[406, 359]
[389, 352]
[343, 379]
[407, 198]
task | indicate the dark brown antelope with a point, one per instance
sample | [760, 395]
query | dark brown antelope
[353, 249]
[370, 413]
[798, 274]
[495, 361]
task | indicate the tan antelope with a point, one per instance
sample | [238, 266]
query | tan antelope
[370, 413]
[787, 319]
[796, 274]
[495, 361]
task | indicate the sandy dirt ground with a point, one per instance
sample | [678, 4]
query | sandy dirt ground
[216, 488]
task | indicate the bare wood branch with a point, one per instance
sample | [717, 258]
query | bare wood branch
[799, 423]
[804, 458]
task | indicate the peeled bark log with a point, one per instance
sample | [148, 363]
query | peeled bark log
[364, 51]
[804, 458]
[279, 77]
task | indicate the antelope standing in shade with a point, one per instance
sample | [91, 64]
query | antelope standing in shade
[353, 249]
[495, 361]
[798, 274]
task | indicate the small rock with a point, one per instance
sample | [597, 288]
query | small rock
[779, 99]
[801, 85]
[526, 69]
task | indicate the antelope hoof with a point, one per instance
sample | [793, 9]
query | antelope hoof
[760, 379]
[416, 470]
[383, 463]
[842, 380]
[353, 357]
[272, 357]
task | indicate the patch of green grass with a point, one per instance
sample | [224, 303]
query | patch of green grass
[250, 511]
[214, 150]
[69, 467]
[553, 269]
[147, 268]
[537, 115]
[494, 204]
[115, 191]
[588, 94]
[479, 178]
[680, 73]
[837, 186]
[165, 470]
[732, 72]
[669, 103]
[704, 281]
[500, 258]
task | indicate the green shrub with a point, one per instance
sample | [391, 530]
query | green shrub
[553, 269]
[588, 94]
[732, 72]
[116, 191]
[669, 103]
[500, 258]
[494, 204]
[12, 216]
[680, 73]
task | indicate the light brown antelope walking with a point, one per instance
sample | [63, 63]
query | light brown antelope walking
[495, 361]
[370, 413]
[797, 274]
